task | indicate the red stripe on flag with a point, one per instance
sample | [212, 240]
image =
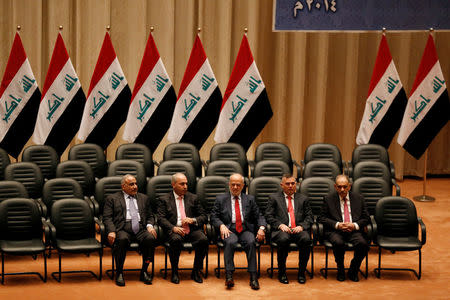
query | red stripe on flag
[16, 58]
[243, 61]
[59, 59]
[196, 60]
[149, 60]
[382, 62]
[429, 59]
[105, 59]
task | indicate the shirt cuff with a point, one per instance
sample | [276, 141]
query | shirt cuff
[262, 228]
[195, 221]
[150, 225]
[336, 225]
[356, 226]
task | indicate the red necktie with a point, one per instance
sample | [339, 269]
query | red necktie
[238, 214]
[346, 212]
[183, 215]
[291, 211]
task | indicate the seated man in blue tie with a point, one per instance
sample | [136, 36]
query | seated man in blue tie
[127, 216]
[236, 216]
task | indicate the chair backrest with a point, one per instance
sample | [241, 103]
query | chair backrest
[156, 187]
[92, 154]
[126, 166]
[4, 161]
[370, 152]
[44, 156]
[396, 217]
[323, 151]
[29, 175]
[12, 189]
[274, 151]
[73, 219]
[372, 189]
[139, 153]
[271, 168]
[230, 151]
[80, 171]
[20, 219]
[60, 188]
[262, 188]
[208, 188]
[372, 169]
[321, 168]
[315, 188]
[186, 152]
[223, 168]
[105, 187]
[171, 167]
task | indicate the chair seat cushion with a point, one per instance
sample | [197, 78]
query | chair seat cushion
[399, 243]
[83, 245]
[33, 246]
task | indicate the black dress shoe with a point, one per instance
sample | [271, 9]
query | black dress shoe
[145, 278]
[175, 279]
[119, 279]
[254, 284]
[353, 276]
[195, 275]
[229, 282]
[301, 278]
[282, 277]
[340, 275]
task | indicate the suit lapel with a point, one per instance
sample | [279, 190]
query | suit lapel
[282, 202]
[173, 204]
[297, 205]
[228, 205]
[338, 206]
[123, 204]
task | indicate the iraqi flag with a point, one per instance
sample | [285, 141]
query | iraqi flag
[198, 104]
[108, 99]
[385, 103]
[152, 103]
[245, 108]
[19, 101]
[62, 102]
[428, 107]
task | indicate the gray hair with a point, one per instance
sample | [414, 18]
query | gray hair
[176, 176]
[237, 174]
[124, 177]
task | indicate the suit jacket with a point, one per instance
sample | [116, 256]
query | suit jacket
[115, 211]
[167, 211]
[252, 218]
[331, 211]
[277, 212]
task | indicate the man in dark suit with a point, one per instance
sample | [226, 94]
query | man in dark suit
[182, 216]
[290, 216]
[237, 217]
[344, 216]
[127, 215]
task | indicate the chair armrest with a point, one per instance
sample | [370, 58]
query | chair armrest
[204, 164]
[298, 169]
[94, 205]
[374, 227]
[350, 169]
[315, 233]
[156, 163]
[397, 187]
[391, 165]
[252, 164]
[52, 232]
[210, 233]
[344, 167]
[268, 234]
[47, 231]
[423, 231]
[320, 234]
[100, 228]
[302, 168]
[42, 207]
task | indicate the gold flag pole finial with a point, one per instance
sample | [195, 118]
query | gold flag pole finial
[384, 30]
[199, 30]
[108, 28]
[18, 28]
[60, 27]
[152, 28]
[245, 30]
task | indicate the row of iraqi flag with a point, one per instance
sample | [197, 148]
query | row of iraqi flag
[55, 116]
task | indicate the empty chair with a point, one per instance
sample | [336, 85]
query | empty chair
[125, 166]
[397, 229]
[275, 151]
[60, 188]
[44, 156]
[372, 189]
[186, 152]
[4, 161]
[171, 167]
[12, 189]
[323, 151]
[230, 151]
[80, 171]
[73, 231]
[22, 232]
[271, 168]
[156, 187]
[92, 154]
[29, 175]
[371, 152]
[315, 188]
[105, 187]
[208, 188]
[321, 168]
[375, 169]
[139, 153]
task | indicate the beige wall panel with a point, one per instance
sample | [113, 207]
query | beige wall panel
[7, 32]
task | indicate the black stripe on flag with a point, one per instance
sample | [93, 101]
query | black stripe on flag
[21, 130]
[389, 125]
[158, 124]
[254, 121]
[68, 124]
[106, 129]
[205, 121]
[436, 118]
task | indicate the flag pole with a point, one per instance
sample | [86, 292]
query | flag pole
[424, 197]
[18, 28]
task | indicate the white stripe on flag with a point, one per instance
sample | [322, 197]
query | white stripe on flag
[421, 101]
[16, 96]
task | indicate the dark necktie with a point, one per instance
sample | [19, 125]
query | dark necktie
[238, 214]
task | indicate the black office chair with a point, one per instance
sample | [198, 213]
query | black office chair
[186, 152]
[80, 171]
[321, 168]
[271, 168]
[208, 188]
[92, 154]
[12, 189]
[229, 151]
[73, 230]
[324, 151]
[372, 189]
[274, 151]
[22, 232]
[397, 230]
[4, 161]
[375, 169]
[139, 153]
[105, 187]
[122, 167]
[315, 188]
[171, 167]
[371, 152]
[44, 156]
[61, 188]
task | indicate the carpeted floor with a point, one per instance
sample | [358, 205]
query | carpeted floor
[401, 285]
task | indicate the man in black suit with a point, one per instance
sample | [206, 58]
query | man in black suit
[182, 216]
[127, 216]
[344, 216]
[290, 216]
[237, 217]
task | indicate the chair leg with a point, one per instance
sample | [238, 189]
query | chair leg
[218, 262]
[59, 273]
[45, 266]
[326, 262]
[100, 255]
[112, 267]
[420, 264]
[259, 262]
[165, 263]
[271, 262]
[207, 263]
[312, 262]
[378, 272]
[3, 268]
